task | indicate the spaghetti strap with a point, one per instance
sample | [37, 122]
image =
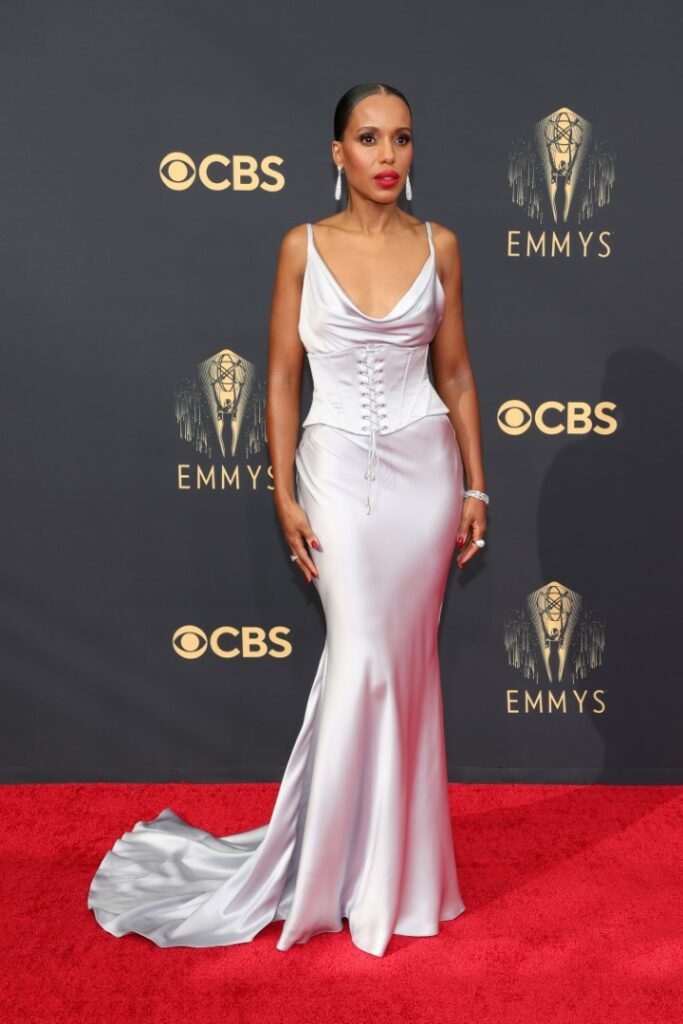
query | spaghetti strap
[429, 235]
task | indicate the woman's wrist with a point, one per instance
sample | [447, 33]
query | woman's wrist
[284, 495]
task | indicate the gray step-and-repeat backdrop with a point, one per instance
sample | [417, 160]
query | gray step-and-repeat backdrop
[154, 155]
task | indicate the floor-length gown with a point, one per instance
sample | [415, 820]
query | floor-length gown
[361, 826]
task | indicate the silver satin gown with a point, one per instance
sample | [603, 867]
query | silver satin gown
[361, 825]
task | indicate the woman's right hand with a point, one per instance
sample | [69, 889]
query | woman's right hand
[298, 534]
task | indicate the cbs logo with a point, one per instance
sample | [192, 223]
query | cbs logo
[178, 172]
[231, 642]
[515, 417]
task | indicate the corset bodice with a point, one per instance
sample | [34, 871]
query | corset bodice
[369, 373]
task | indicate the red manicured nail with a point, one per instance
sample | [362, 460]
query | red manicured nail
[314, 543]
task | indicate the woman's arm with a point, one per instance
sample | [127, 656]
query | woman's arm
[283, 394]
[454, 381]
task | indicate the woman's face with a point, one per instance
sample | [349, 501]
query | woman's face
[377, 149]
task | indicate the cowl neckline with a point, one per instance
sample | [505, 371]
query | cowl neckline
[429, 264]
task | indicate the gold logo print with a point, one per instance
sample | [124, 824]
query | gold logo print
[515, 417]
[228, 381]
[178, 172]
[225, 402]
[552, 636]
[553, 611]
[190, 642]
[227, 642]
[565, 169]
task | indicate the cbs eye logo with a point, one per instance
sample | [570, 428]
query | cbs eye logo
[216, 172]
[191, 642]
[515, 417]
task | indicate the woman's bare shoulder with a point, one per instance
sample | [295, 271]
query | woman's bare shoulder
[447, 248]
[294, 237]
[293, 246]
[444, 236]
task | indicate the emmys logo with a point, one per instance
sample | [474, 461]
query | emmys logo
[552, 640]
[179, 172]
[515, 417]
[192, 642]
[563, 174]
[220, 412]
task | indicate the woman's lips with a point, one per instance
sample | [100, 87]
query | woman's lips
[386, 180]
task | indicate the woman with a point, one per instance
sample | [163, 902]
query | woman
[371, 504]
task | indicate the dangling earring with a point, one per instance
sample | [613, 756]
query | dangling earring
[338, 187]
[409, 191]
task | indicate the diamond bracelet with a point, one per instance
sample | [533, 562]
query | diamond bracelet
[476, 494]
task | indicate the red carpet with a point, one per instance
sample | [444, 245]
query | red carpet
[574, 914]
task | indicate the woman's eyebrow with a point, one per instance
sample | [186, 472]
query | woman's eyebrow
[401, 128]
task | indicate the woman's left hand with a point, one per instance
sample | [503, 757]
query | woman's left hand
[472, 527]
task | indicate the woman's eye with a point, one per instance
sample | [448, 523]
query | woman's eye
[369, 135]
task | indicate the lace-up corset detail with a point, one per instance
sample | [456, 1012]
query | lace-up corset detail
[370, 373]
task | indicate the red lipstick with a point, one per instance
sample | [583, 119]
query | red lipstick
[387, 179]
